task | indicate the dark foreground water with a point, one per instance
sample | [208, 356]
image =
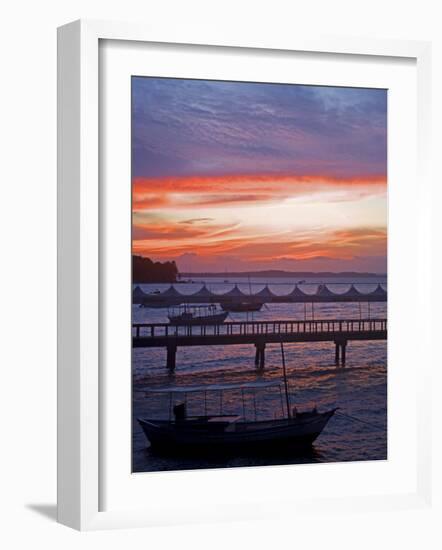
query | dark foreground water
[359, 389]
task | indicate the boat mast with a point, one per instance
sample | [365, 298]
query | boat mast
[286, 387]
[250, 292]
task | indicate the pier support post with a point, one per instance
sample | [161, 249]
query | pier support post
[260, 354]
[340, 352]
[171, 357]
[262, 358]
[337, 346]
[344, 347]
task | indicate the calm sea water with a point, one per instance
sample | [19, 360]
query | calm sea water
[359, 389]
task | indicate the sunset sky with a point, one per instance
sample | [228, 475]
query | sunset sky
[232, 176]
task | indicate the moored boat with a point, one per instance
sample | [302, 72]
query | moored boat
[197, 315]
[225, 432]
[241, 307]
[208, 433]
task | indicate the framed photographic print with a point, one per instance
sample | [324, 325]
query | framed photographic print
[259, 238]
[232, 270]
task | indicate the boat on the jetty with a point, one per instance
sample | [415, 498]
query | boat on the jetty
[220, 432]
[197, 315]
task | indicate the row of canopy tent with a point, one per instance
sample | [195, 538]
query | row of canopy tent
[171, 296]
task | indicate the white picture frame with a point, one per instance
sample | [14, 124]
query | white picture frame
[79, 266]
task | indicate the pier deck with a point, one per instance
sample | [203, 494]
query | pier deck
[259, 333]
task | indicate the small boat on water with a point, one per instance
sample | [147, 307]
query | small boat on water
[239, 302]
[151, 299]
[209, 433]
[241, 307]
[199, 433]
[157, 299]
[197, 315]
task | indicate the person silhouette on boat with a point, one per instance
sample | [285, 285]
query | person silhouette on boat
[180, 412]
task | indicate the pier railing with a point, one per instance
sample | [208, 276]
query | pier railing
[334, 327]
[258, 333]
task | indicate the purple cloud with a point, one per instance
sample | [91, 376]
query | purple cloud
[188, 127]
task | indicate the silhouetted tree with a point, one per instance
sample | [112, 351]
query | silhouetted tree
[144, 270]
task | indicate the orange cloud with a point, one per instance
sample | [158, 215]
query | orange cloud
[250, 237]
[184, 192]
[166, 233]
[208, 242]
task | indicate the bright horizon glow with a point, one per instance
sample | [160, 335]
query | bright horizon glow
[327, 214]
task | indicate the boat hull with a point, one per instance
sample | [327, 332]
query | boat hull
[257, 436]
[241, 307]
[216, 319]
[158, 304]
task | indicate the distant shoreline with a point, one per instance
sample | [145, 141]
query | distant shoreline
[285, 274]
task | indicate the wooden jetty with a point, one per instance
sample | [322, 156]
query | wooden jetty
[259, 334]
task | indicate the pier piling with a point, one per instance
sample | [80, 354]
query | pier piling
[260, 354]
[340, 352]
[262, 358]
[171, 357]
[343, 347]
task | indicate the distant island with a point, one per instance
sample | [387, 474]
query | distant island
[144, 270]
[286, 274]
